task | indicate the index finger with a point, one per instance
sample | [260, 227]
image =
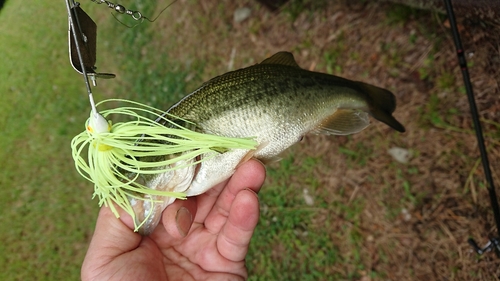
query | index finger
[250, 175]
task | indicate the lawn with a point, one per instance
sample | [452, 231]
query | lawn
[46, 219]
[335, 208]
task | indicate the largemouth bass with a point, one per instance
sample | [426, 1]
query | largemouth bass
[277, 103]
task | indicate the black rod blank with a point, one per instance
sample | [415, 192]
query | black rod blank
[493, 243]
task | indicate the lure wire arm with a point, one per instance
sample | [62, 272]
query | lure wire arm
[493, 243]
[72, 17]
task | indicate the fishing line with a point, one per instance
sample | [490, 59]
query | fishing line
[493, 243]
[82, 40]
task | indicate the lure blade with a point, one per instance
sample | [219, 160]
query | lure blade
[86, 34]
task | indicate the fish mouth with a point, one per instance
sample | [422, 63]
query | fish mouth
[148, 212]
[148, 208]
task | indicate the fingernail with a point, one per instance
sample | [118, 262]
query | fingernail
[254, 193]
[183, 220]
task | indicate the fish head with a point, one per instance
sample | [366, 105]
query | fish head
[148, 208]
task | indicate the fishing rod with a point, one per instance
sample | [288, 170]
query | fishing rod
[493, 243]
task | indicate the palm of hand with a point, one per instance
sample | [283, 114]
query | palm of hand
[215, 246]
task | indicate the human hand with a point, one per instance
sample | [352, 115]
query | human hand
[212, 246]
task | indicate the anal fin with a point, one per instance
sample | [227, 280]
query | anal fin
[245, 158]
[344, 122]
[251, 154]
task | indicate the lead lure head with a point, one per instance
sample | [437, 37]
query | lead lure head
[98, 124]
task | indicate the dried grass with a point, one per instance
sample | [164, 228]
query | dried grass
[427, 237]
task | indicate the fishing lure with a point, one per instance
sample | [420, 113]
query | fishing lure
[114, 151]
[114, 155]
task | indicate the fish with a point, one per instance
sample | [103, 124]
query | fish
[276, 102]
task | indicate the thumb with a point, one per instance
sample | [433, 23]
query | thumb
[112, 238]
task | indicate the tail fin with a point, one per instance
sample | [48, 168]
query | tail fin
[382, 104]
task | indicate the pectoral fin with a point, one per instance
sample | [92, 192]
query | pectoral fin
[344, 122]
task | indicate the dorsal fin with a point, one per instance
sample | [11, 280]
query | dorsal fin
[283, 58]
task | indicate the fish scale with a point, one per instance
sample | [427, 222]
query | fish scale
[275, 102]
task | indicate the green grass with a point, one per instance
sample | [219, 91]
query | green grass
[144, 75]
[288, 244]
[47, 214]
[296, 7]
[398, 14]
[357, 154]
[292, 241]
